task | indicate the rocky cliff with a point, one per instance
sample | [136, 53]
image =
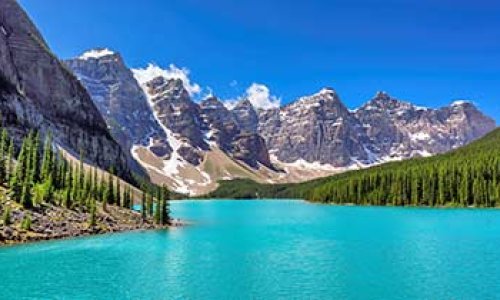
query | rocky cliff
[38, 92]
[320, 129]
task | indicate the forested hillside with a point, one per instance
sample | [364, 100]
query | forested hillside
[469, 176]
[46, 194]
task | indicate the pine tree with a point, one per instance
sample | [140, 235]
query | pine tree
[93, 208]
[34, 160]
[158, 210]
[165, 210]
[143, 205]
[3, 153]
[48, 159]
[110, 189]
[81, 181]
[75, 190]
[119, 193]
[17, 179]
[10, 159]
[95, 187]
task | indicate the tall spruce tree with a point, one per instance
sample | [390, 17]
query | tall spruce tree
[21, 169]
[48, 159]
[119, 193]
[4, 140]
[143, 205]
[10, 160]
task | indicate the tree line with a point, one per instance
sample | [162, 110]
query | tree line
[40, 175]
[466, 177]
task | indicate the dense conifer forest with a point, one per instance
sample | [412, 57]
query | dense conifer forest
[469, 176]
[39, 176]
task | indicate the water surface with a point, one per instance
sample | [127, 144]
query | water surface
[271, 250]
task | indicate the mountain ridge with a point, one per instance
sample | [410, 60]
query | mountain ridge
[286, 143]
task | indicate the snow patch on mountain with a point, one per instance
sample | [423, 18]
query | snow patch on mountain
[460, 102]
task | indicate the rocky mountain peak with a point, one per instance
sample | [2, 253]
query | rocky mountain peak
[463, 104]
[326, 97]
[246, 115]
[244, 104]
[213, 103]
[120, 99]
[384, 103]
[173, 89]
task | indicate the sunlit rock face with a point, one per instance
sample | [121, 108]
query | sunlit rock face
[399, 129]
[117, 95]
[319, 128]
[38, 92]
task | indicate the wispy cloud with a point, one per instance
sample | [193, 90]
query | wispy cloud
[172, 72]
[259, 95]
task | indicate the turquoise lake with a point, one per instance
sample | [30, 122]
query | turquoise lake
[271, 249]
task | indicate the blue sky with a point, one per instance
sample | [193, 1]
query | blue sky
[430, 52]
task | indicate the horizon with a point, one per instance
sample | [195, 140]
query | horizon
[431, 63]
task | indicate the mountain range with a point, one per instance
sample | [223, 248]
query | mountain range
[190, 145]
[141, 120]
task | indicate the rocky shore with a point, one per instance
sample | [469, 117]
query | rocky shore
[51, 222]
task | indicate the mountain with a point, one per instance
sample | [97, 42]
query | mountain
[117, 96]
[320, 130]
[317, 128]
[399, 129]
[467, 176]
[37, 92]
[174, 138]
[191, 145]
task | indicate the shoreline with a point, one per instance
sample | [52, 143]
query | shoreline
[52, 222]
[176, 223]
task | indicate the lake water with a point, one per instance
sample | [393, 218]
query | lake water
[271, 250]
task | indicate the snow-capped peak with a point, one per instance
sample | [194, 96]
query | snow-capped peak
[326, 91]
[96, 53]
[460, 102]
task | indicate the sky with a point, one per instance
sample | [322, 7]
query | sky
[429, 52]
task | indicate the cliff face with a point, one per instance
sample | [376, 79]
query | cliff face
[399, 129]
[317, 128]
[38, 92]
[117, 95]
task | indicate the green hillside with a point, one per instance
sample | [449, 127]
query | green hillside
[464, 177]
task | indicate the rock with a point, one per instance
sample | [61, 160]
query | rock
[399, 129]
[38, 92]
[318, 128]
[246, 116]
[119, 98]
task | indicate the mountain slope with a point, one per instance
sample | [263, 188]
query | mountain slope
[320, 130]
[117, 95]
[172, 136]
[467, 176]
[37, 92]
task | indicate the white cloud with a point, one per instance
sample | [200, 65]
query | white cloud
[173, 72]
[233, 83]
[96, 53]
[260, 96]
